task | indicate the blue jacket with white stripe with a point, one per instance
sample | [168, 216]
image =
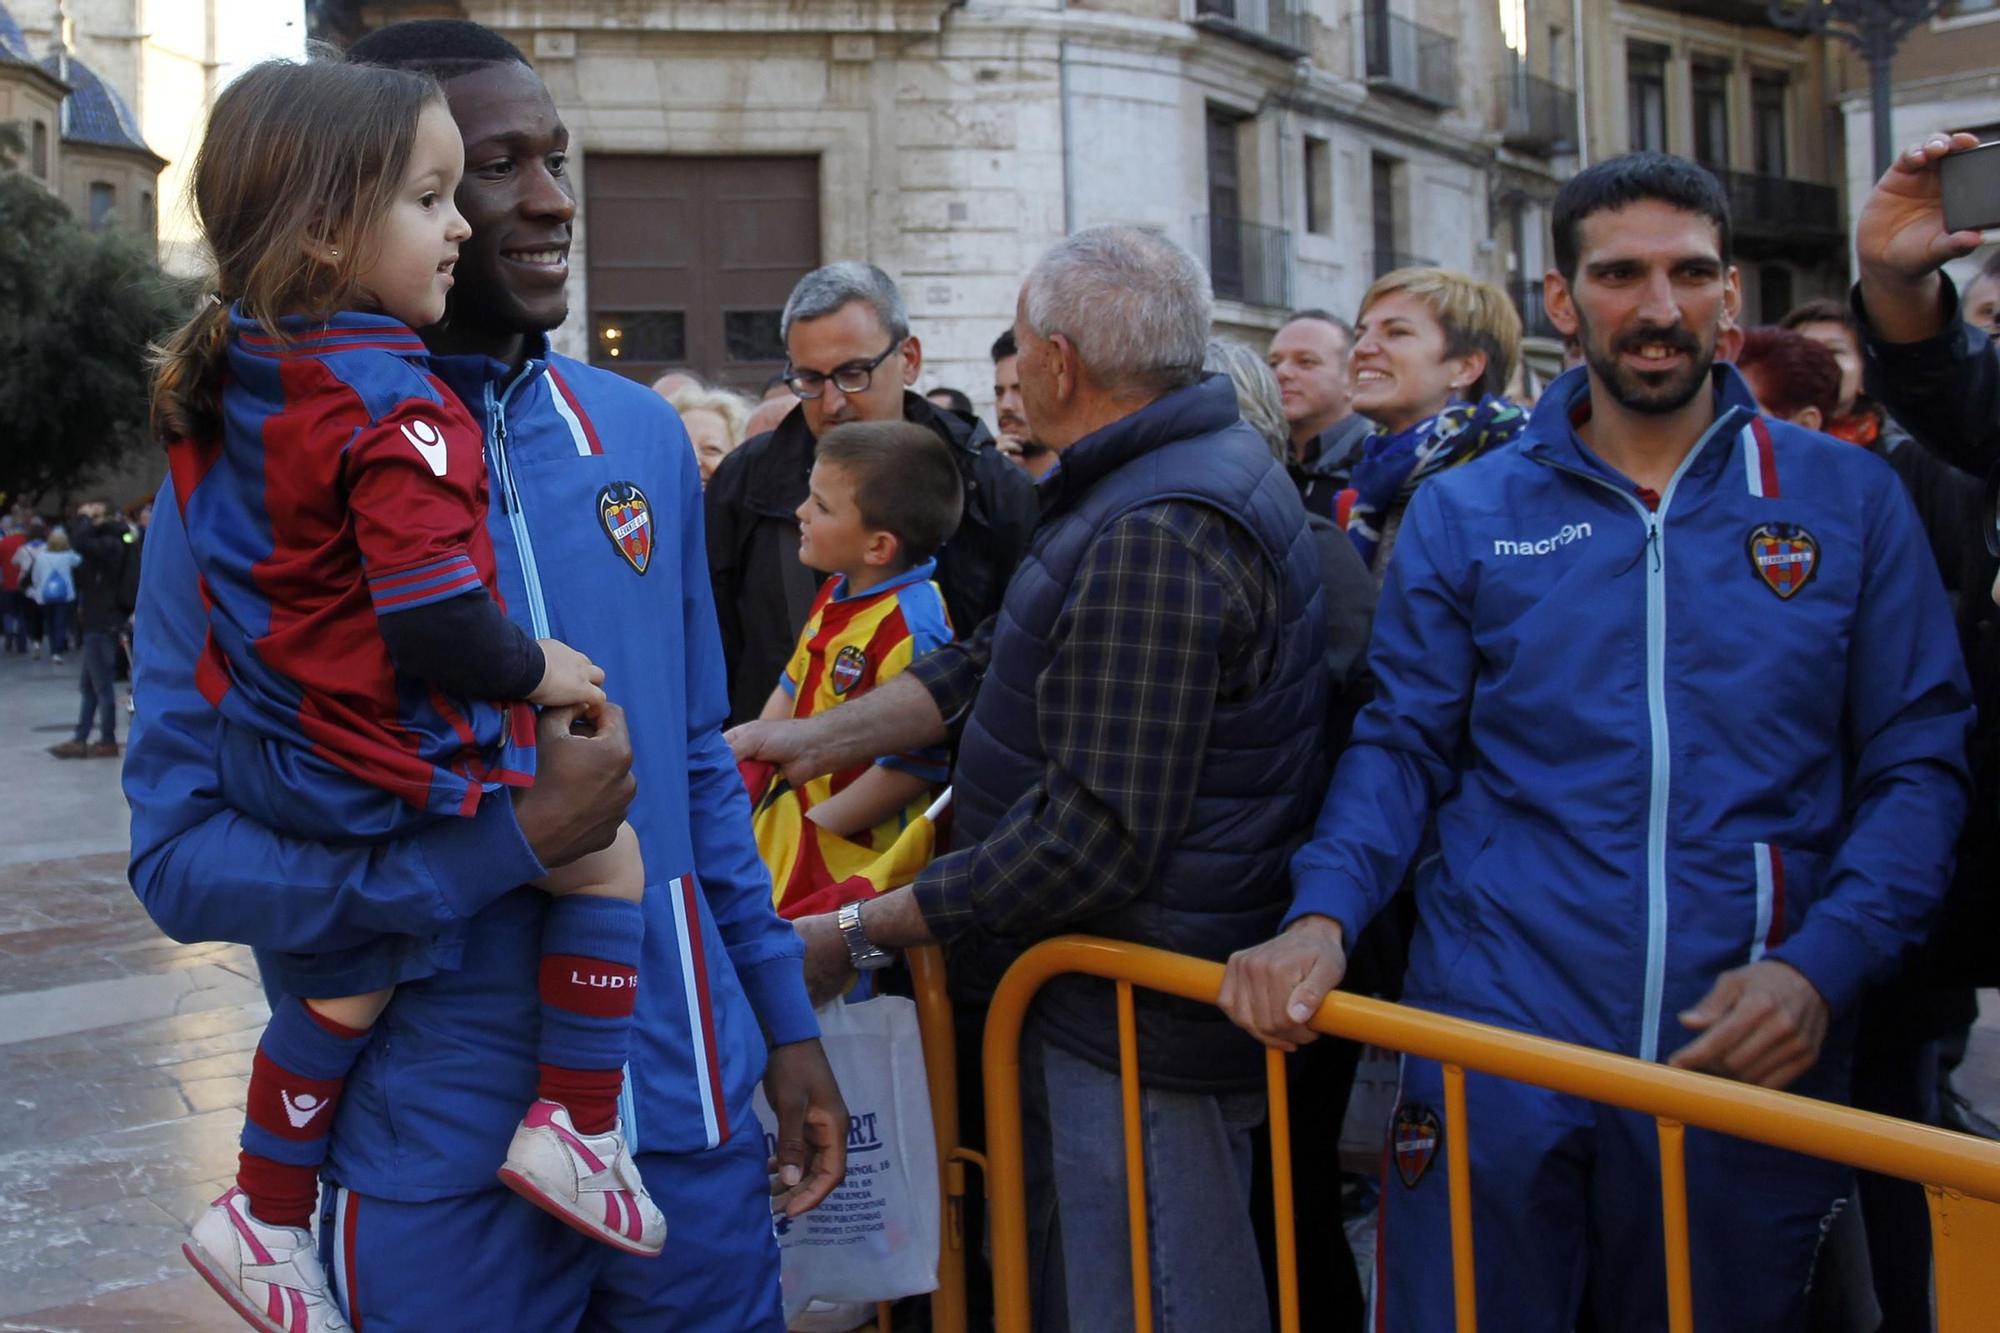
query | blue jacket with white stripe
[596, 523]
[1659, 742]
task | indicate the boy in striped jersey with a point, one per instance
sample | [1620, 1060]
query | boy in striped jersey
[884, 497]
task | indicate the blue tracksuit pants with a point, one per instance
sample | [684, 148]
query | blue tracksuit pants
[1566, 1216]
[493, 1261]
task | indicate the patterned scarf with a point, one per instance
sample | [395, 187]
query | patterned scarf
[1393, 466]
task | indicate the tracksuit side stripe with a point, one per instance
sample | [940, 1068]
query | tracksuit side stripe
[581, 433]
[694, 982]
[1761, 851]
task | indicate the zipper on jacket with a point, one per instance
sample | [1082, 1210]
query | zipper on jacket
[502, 468]
[1661, 778]
[510, 502]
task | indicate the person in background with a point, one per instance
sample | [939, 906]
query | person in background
[105, 542]
[950, 400]
[764, 417]
[1792, 377]
[1432, 351]
[1308, 355]
[51, 581]
[1982, 297]
[1257, 392]
[715, 420]
[1856, 418]
[850, 357]
[13, 618]
[1015, 438]
[674, 381]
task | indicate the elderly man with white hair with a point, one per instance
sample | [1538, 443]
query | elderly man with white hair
[1141, 733]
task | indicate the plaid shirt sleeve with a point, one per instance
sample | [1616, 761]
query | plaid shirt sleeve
[952, 671]
[1173, 609]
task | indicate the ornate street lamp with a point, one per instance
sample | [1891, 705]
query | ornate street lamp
[1875, 28]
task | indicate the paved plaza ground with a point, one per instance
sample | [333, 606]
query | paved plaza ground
[123, 1055]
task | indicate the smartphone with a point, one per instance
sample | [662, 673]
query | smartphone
[1971, 181]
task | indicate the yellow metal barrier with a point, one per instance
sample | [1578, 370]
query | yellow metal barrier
[934, 1025]
[1961, 1175]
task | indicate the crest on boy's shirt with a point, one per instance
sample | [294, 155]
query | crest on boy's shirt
[848, 664]
[628, 521]
[1784, 555]
[1414, 1136]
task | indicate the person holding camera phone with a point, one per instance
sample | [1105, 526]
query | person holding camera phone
[1939, 376]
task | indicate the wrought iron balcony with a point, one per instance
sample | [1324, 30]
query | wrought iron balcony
[1388, 261]
[1536, 116]
[1535, 322]
[1275, 25]
[1780, 206]
[1246, 262]
[1411, 60]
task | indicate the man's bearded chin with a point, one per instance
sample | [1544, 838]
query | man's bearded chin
[1650, 394]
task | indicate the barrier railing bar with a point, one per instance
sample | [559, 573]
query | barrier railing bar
[1286, 1237]
[1674, 1213]
[1961, 1173]
[934, 1025]
[1458, 1170]
[1135, 1162]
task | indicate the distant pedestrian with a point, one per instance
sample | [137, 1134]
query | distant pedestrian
[105, 543]
[716, 420]
[13, 623]
[51, 584]
[950, 400]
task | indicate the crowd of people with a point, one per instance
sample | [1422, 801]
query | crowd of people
[1641, 716]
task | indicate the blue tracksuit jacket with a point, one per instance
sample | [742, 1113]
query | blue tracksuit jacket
[596, 524]
[1659, 741]
[1647, 765]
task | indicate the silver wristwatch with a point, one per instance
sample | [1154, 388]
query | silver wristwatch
[864, 955]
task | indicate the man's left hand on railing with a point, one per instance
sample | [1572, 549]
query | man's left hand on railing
[1761, 1024]
[1270, 991]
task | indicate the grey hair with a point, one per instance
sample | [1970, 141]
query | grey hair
[1256, 391]
[825, 290]
[1136, 307]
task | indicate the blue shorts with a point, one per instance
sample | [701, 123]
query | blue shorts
[492, 1260]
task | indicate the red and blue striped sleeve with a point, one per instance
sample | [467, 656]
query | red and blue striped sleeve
[416, 479]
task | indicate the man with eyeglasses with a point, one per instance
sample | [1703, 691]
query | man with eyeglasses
[850, 356]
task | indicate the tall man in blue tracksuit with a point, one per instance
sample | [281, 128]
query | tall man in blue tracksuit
[416, 1229]
[1678, 687]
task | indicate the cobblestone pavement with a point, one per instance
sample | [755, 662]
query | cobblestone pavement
[123, 1055]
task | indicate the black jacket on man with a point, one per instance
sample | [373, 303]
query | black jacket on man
[1329, 462]
[763, 593]
[100, 579]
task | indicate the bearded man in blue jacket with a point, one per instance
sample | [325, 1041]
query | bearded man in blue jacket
[1677, 686]
[417, 1229]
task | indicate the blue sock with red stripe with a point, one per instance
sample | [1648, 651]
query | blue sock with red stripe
[589, 984]
[295, 1079]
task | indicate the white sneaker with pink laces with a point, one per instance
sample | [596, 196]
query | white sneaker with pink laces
[587, 1180]
[271, 1276]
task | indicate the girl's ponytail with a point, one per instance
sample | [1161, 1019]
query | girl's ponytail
[187, 375]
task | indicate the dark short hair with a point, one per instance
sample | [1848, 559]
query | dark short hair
[1634, 178]
[1794, 371]
[1324, 317]
[1004, 346]
[954, 398]
[1823, 311]
[905, 481]
[441, 48]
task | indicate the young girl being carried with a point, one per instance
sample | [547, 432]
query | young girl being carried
[335, 496]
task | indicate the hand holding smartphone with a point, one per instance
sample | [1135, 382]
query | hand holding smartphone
[1970, 181]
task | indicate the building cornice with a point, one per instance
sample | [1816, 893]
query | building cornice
[887, 17]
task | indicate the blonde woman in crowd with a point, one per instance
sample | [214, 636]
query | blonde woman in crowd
[715, 421]
[1433, 351]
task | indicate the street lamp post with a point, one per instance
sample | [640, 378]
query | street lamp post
[1875, 28]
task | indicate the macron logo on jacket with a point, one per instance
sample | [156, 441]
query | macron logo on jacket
[1570, 532]
[429, 444]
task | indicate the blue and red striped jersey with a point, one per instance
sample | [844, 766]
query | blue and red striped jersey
[348, 482]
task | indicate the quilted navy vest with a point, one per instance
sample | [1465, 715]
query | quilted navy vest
[1223, 885]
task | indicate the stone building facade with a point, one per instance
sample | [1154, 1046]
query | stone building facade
[1298, 146]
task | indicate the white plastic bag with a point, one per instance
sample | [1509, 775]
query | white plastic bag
[876, 1237]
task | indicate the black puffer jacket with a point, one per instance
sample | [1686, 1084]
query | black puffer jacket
[763, 593]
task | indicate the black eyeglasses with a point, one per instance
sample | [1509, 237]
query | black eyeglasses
[854, 377]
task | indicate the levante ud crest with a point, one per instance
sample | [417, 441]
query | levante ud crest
[628, 521]
[1414, 1136]
[1784, 555]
